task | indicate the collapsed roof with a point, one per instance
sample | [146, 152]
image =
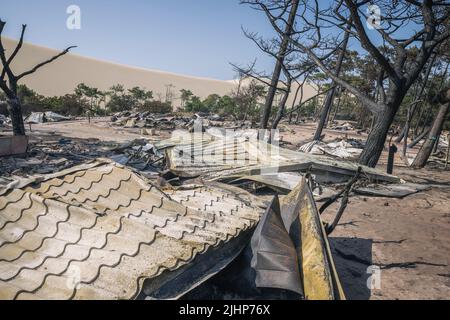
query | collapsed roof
[98, 231]
[101, 231]
[226, 155]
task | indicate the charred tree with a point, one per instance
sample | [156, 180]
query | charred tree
[283, 50]
[330, 96]
[9, 80]
[436, 129]
[282, 105]
[413, 106]
[400, 69]
[419, 138]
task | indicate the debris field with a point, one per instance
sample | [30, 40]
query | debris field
[143, 206]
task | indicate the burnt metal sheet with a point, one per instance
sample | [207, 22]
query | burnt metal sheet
[99, 231]
[301, 218]
[288, 257]
[223, 158]
[392, 191]
[291, 251]
[283, 182]
[274, 255]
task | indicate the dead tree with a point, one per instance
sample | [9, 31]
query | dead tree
[401, 70]
[417, 96]
[299, 90]
[282, 6]
[418, 138]
[330, 96]
[282, 105]
[9, 85]
[436, 129]
[338, 104]
[281, 49]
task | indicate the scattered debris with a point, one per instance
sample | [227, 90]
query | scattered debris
[350, 149]
[51, 154]
[4, 120]
[164, 205]
[224, 158]
[346, 126]
[42, 117]
[175, 121]
[391, 190]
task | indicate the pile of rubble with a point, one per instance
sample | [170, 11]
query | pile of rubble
[128, 119]
[340, 148]
[51, 154]
[346, 126]
[158, 242]
[42, 117]
[4, 121]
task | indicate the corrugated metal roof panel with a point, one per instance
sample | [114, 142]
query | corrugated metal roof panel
[98, 231]
[233, 155]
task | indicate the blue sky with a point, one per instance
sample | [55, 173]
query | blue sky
[198, 37]
[193, 37]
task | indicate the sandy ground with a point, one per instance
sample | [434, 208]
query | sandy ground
[99, 128]
[408, 239]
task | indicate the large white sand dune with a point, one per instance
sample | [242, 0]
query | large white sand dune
[64, 74]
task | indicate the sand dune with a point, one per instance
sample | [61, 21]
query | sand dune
[63, 75]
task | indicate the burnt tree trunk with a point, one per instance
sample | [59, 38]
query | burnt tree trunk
[383, 121]
[336, 111]
[406, 131]
[433, 137]
[282, 105]
[265, 115]
[15, 112]
[418, 138]
[330, 96]
[324, 113]
[297, 119]
[293, 103]
[413, 107]
[377, 137]
[9, 80]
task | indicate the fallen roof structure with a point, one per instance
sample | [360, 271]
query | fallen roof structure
[225, 156]
[288, 257]
[292, 228]
[340, 149]
[100, 231]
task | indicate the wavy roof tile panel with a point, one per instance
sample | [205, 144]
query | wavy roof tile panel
[99, 231]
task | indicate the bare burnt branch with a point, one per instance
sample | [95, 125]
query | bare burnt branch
[40, 65]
